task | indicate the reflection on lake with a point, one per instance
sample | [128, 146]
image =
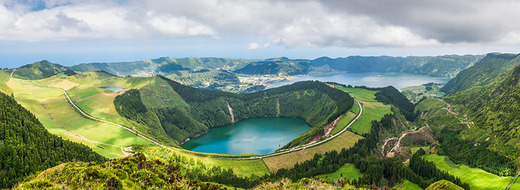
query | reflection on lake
[251, 136]
[113, 88]
[371, 79]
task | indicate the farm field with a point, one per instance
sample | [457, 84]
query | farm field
[475, 177]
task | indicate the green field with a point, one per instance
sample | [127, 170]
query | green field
[475, 177]
[372, 109]
[59, 117]
[348, 171]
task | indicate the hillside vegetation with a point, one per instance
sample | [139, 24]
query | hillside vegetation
[174, 111]
[26, 147]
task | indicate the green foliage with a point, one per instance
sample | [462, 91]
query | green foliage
[198, 110]
[133, 172]
[26, 147]
[40, 70]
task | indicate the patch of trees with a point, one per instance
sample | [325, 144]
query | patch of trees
[312, 101]
[26, 147]
[474, 154]
[390, 95]
[429, 171]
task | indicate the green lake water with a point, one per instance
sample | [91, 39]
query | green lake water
[251, 136]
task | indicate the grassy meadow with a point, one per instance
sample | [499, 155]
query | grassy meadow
[372, 109]
[475, 177]
[348, 171]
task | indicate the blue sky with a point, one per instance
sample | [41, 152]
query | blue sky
[79, 31]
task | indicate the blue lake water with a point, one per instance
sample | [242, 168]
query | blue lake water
[251, 136]
[371, 79]
[113, 88]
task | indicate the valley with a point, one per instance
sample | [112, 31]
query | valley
[346, 135]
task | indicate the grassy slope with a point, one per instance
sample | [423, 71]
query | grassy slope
[4, 77]
[373, 110]
[348, 171]
[475, 177]
[57, 115]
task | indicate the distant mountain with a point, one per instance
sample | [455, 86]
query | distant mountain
[443, 66]
[27, 147]
[482, 73]
[40, 70]
[163, 66]
[280, 66]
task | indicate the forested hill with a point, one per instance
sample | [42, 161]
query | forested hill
[40, 70]
[482, 73]
[26, 147]
[494, 108]
[174, 112]
[444, 66]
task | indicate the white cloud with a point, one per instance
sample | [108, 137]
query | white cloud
[309, 23]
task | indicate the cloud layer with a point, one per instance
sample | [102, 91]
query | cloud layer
[289, 23]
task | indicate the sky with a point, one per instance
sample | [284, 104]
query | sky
[70, 32]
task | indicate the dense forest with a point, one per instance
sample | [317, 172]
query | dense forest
[192, 111]
[26, 147]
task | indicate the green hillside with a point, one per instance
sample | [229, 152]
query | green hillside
[481, 73]
[26, 147]
[40, 70]
[494, 109]
[176, 112]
